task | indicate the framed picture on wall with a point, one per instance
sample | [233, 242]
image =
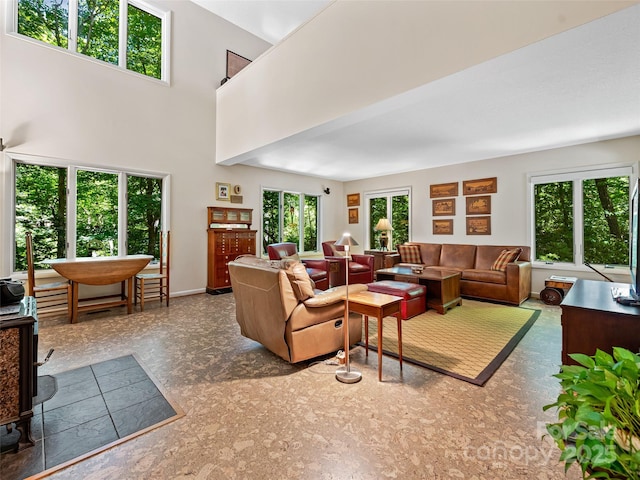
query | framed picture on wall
[353, 200]
[443, 227]
[353, 215]
[479, 205]
[480, 186]
[443, 190]
[223, 191]
[445, 206]
[479, 225]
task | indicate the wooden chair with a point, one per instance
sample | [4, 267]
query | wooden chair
[51, 298]
[149, 286]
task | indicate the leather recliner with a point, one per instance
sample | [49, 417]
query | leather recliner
[316, 268]
[361, 267]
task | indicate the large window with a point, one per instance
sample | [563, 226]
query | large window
[79, 212]
[582, 217]
[393, 205]
[127, 33]
[290, 217]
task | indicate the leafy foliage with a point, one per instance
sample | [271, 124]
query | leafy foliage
[45, 20]
[598, 424]
[41, 208]
[144, 43]
[605, 220]
[296, 208]
[98, 31]
[399, 219]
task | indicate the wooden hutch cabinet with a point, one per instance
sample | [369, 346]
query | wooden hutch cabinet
[229, 236]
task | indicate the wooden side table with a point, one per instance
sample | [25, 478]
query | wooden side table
[379, 257]
[377, 305]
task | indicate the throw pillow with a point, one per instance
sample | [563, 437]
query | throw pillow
[409, 253]
[336, 252]
[300, 281]
[505, 257]
[294, 257]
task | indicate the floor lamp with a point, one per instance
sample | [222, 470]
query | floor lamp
[346, 374]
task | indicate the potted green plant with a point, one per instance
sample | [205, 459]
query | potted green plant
[598, 425]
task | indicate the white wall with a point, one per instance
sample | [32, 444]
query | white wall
[60, 105]
[510, 212]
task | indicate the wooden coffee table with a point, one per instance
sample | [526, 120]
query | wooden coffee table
[377, 305]
[443, 286]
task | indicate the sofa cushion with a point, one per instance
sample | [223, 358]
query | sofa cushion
[300, 281]
[409, 253]
[505, 257]
[486, 276]
[459, 256]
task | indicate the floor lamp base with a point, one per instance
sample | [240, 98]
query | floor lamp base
[351, 376]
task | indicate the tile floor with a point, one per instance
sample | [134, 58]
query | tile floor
[94, 405]
[250, 415]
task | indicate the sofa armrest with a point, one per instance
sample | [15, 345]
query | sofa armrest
[363, 259]
[320, 263]
[518, 281]
[333, 295]
[391, 260]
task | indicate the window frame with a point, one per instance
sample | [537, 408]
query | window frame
[72, 167]
[282, 192]
[164, 15]
[388, 193]
[577, 177]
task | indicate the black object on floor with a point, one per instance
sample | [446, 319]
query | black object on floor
[94, 406]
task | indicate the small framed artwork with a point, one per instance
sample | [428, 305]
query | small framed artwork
[353, 200]
[479, 225]
[445, 206]
[353, 215]
[443, 190]
[223, 191]
[443, 227]
[480, 186]
[480, 205]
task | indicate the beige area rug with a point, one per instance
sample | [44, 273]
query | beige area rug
[469, 342]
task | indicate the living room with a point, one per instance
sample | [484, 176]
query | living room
[61, 109]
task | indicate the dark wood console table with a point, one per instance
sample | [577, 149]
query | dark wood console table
[592, 319]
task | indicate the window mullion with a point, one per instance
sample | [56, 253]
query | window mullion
[71, 211]
[578, 223]
[122, 214]
[122, 35]
[73, 26]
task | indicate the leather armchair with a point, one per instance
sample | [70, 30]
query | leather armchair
[360, 266]
[316, 268]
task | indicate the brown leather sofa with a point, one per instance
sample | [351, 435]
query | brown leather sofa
[269, 311]
[475, 262]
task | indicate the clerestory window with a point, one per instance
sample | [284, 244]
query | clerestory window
[128, 33]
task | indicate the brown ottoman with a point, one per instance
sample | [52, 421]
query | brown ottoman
[413, 295]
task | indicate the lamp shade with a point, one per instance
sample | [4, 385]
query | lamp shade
[346, 240]
[383, 225]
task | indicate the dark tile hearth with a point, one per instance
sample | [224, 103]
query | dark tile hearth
[93, 407]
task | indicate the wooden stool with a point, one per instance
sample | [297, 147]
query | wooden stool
[555, 289]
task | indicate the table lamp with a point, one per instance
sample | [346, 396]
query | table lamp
[346, 374]
[383, 226]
